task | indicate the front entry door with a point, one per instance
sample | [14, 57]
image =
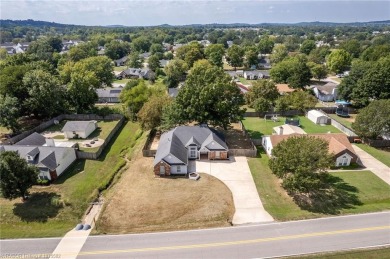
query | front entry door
[162, 170]
[217, 154]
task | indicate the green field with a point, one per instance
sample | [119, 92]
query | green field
[380, 154]
[257, 127]
[53, 210]
[363, 191]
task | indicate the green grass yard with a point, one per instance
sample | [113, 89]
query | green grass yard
[372, 192]
[257, 127]
[120, 68]
[53, 210]
[380, 154]
[121, 81]
[345, 121]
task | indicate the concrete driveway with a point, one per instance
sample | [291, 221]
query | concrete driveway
[236, 175]
[374, 165]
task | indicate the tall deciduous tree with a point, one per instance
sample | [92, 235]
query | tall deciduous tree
[116, 49]
[82, 91]
[293, 71]
[100, 66]
[16, 176]
[307, 46]
[135, 97]
[175, 72]
[209, 96]
[190, 53]
[235, 56]
[47, 97]
[298, 100]
[214, 54]
[262, 89]
[251, 57]
[9, 112]
[299, 162]
[151, 112]
[317, 70]
[134, 61]
[338, 61]
[279, 53]
[374, 120]
[266, 45]
[367, 81]
[153, 62]
[352, 47]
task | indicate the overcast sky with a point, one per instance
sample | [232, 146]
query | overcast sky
[179, 12]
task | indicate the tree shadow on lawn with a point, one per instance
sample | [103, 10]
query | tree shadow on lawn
[76, 168]
[336, 195]
[39, 207]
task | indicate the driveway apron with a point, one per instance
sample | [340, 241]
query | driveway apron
[236, 175]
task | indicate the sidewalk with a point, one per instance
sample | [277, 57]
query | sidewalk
[71, 244]
[373, 164]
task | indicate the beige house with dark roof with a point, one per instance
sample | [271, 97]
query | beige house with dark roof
[338, 145]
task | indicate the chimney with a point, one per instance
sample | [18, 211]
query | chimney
[281, 130]
[50, 142]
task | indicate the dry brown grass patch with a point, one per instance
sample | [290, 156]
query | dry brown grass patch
[142, 203]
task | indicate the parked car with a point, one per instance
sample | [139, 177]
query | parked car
[340, 75]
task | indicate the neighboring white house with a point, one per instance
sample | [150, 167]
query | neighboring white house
[318, 117]
[51, 161]
[78, 129]
[256, 74]
[287, 129]
[338, 145]
[327, 92]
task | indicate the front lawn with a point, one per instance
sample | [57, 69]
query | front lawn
[140, 202]
[365, 191]
[257, 127]
[53, 210]
[380, 154]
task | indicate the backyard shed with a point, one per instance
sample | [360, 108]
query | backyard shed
[79, 129]
[318, 117]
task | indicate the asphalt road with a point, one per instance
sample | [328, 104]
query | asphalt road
[266, 240]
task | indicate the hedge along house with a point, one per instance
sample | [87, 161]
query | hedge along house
[79, 129]
[184, 143]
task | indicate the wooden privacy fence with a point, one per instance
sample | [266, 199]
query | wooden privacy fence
[146, 151]
[95, 155]
[47, 124]
[82, 117]
[377, 142]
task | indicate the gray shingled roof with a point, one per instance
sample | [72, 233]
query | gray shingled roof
[35, 139]
[49, 157]
[76, 125]
[327, 88]
[108, 92]
[175, 141]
